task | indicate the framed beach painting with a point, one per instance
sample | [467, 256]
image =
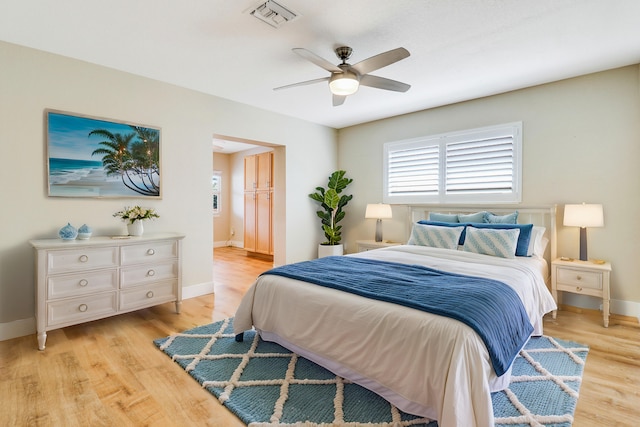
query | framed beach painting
[94, 157]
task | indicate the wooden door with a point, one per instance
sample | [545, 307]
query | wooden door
[263, 222]
[250, 221]
[250, 175]
[264, 171]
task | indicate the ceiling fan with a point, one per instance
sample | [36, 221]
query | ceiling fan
[346, 78]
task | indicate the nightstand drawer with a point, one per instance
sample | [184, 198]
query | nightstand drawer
[579, 278]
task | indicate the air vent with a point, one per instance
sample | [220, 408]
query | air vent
[273, 13]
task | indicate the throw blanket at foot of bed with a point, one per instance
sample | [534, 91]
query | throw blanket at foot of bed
[491, 308]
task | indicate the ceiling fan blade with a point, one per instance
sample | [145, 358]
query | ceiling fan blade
[382, 60]
[383, 83]
[319, 61]
[308, 82]
[338, 100]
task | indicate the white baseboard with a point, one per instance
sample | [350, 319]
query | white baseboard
[233, 243]
[24, 327]
[17, 328]
[197, 290]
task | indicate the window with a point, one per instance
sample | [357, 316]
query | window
[216, 184]
[472, 166]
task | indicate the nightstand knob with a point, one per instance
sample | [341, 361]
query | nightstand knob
[83, 307]
[151, 252]
[150, 294]
[83, 282]
[151, 273]
[578, 288]
[84, 258]
[579, 277]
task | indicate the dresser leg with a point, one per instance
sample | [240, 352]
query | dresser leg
[42, 338]
[178, 305]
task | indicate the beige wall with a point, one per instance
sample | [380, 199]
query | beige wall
[581, 144]
[31, 81]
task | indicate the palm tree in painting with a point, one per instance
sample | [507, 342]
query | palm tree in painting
[134, 157]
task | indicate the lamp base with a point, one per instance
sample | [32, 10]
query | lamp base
[378, 230]
[583, 244]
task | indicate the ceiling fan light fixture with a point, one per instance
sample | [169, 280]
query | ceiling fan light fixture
[343, 84]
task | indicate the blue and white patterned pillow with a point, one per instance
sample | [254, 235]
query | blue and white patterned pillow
[435, 236]
[500, 243]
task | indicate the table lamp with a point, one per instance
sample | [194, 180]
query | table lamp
[583, 216]
[378, 211]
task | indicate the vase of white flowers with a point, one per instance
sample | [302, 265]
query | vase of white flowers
[134, 217]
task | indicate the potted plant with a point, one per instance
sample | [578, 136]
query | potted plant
[134, 217]
[332, 203]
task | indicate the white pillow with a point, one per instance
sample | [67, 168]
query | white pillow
[495, 242]
[435, 236]
[535, 242]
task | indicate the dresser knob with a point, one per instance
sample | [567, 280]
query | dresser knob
[151, 273]
[83, 307]
[84, 282]
[84, 258]
[150, 294]
[151, 252]
[578, 288]
[579, 277]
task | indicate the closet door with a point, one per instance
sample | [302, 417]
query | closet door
[250, 221]
[263, 222]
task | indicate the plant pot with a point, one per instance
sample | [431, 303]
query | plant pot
[135, 229]
[330, 250]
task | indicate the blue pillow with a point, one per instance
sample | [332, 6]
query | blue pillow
[522, 249]
[434, 216]
[490, 218]
[474, 217]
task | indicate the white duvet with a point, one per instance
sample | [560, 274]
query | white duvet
[425, 364]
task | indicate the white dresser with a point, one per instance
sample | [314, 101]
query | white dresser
[82, 280]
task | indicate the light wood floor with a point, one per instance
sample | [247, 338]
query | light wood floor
[109, 373]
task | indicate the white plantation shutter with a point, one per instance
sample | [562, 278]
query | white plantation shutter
[474, 166]
[413, 171]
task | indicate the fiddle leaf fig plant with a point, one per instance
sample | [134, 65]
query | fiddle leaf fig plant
[332, 203]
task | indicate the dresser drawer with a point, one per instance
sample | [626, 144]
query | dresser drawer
[68, 260]
[149, 273]
[147, 295]
[148, 252]
[81, 309]
[88, 282]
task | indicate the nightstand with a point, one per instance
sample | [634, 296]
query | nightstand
[367, 245]
[582, 277]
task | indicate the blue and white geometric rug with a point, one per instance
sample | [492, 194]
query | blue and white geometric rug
[265, 384]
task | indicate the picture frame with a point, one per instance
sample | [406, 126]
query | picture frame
[101, 158]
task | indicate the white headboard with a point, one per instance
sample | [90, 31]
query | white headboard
[543, 216]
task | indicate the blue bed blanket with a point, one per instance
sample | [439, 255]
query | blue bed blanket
[491, 308]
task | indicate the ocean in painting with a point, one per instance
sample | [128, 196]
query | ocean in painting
[63, 171]
[83, 178]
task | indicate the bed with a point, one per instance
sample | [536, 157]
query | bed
[424, 363]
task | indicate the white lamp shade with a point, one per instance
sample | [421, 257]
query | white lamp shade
[583, 215]
[378, 211]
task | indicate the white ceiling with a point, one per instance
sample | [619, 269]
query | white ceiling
[460, 49]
